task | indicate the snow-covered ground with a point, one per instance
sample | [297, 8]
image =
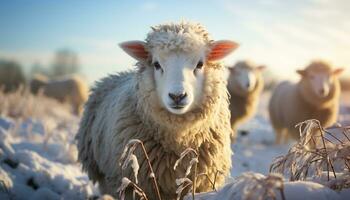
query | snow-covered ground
[38, 157]
[38, 152]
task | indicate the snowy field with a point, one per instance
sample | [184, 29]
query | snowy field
[38, 155]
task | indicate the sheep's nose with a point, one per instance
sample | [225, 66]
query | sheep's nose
[248, 85]
[177, 98]
[322, 91]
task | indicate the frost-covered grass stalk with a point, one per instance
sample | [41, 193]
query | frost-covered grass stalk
[318, 152]
[128, 183]
[21, 104]
[184, 182]
[128, 156]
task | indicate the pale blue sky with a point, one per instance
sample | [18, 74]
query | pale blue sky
[284, 35]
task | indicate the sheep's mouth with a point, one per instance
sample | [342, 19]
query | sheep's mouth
[177, 107]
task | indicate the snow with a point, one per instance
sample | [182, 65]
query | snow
[255, 147]
[256, 150]
[292, 191]
[38, 159]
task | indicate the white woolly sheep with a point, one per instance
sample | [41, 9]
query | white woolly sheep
[315, 96]
[245, 84]
[177, 98]
[69, 89]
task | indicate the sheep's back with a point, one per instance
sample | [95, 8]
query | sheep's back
[96, 122]
[60, 90]
[285, 106]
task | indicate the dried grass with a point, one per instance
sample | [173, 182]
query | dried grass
[128, 183]
[127, 157]
[21, 104]
[184, 183]
[320, 151]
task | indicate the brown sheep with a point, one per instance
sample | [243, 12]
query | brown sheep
[68, 89]
[245, 85]
[315, 96]
[11, 76]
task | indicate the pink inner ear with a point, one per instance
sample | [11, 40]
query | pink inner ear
[261, 68]
[136, 49]
[338, 71]
[221, 49]
[301, 72]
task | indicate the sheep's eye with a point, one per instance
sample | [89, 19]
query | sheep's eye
[199, 65]
[157, 66]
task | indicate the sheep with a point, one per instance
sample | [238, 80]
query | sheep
[11, 76]
[37, 83]
[315, 96]
[175, 99]
[68, 89]
[245, 84]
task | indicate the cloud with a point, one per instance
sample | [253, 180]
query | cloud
[288, 35]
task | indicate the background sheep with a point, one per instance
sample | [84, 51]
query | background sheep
[315, 96]
[171, 102]
[69, 89]
[11, 76]
[245, 84]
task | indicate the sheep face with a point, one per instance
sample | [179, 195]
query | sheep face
[319, 82]
[244, 78]
[179, 79]
[178, 73]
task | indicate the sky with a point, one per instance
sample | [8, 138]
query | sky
[282, 35]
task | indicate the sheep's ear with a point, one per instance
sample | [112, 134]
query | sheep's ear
[221, 49]
[261, 68]
[301, 72]
[338, 71]
[136, 49]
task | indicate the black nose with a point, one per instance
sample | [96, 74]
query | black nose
[248, 85]
[177, 98]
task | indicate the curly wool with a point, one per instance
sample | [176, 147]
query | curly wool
[126, 106]
[185, 36]
[291, 104]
